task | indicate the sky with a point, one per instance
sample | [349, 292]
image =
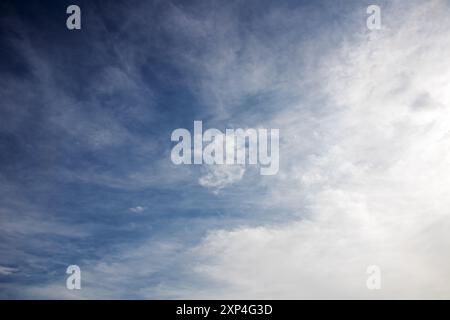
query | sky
[86, 176]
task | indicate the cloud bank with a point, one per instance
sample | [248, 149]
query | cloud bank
[376, 190]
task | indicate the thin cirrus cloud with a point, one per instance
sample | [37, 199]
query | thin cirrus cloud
[363, 153]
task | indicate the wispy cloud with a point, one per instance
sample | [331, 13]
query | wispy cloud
[220, 176]
[363, 153]
[137, 209]
[6, 271]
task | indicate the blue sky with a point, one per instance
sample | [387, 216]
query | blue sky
[85, 171]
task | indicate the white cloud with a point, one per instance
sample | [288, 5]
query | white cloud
[137, 209]
[374, 185]
[6, 271]
[220, 176]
